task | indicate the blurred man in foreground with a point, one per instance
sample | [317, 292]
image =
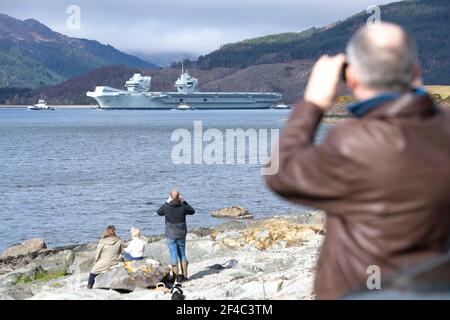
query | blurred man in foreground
[383, 177]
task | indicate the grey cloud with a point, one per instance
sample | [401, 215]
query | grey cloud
[196, 26]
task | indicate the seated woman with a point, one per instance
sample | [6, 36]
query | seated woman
[108, 254]
[135, 250]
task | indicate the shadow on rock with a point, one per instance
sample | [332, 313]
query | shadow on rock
[213, 269]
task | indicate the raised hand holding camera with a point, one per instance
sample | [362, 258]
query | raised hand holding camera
[323, 82]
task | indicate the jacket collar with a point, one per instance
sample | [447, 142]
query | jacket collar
[175, 203]
[416, 102]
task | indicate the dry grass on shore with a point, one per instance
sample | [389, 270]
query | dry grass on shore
[443, 91]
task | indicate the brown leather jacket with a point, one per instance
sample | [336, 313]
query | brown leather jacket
[384, 181]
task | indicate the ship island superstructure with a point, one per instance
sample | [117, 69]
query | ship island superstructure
[138, 96]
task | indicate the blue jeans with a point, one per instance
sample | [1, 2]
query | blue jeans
[177, 250]
[129, 257]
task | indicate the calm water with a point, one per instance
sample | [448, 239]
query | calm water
[66, 174]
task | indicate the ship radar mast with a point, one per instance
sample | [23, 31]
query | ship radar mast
[138, 83]
[185, 83]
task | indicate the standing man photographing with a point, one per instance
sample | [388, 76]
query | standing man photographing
[175, 210]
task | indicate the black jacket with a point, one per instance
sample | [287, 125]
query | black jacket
[175, 213]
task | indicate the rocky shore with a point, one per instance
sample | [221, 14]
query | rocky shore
[241, 259]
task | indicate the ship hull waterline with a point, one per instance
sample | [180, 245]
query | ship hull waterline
[167, 101]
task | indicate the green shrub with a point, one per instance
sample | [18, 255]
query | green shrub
[39, 276]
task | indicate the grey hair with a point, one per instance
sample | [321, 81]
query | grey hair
[388, 68]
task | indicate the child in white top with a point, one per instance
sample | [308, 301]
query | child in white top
[135, 250]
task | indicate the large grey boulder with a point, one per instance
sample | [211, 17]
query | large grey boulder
[129, 276]
[6, 268]
[196, 247]
[25, 274]
[204, 247]
[236, 212]
[116, 279]
[83, 262]
[158, 251]
[18, 292]
[51, 258]
[57, 263]
[151, 277]
[25, 247]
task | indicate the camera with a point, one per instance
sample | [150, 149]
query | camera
[343, 71]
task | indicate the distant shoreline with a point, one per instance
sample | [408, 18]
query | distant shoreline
[332, 118]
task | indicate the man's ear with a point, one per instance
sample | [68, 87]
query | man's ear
[416, 80]
[351, 78]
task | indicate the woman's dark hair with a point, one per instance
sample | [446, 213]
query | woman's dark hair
[110, 231]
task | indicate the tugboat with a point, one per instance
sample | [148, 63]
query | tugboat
[184, 107]
[281, 106]
[41, 105]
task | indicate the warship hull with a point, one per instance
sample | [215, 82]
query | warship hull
[110, 98]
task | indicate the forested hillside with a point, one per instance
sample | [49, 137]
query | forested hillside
[32, 55]
[427, 20]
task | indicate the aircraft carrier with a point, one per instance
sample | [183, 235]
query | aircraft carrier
[138, 96]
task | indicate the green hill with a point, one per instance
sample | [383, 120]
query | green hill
[427, 20]
[32, 55]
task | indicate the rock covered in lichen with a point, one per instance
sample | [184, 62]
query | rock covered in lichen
[128, 276]
[280, 232]
[235, 212]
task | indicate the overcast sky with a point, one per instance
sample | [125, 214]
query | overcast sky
[192, 26]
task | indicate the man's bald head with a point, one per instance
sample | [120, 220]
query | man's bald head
[383, 56]
[385, 35]
[175, 195]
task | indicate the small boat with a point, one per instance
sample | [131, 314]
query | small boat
[281, 106]
[184, 106]
[41, 105]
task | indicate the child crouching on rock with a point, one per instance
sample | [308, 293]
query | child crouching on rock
[135, 249]
[108, 254]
